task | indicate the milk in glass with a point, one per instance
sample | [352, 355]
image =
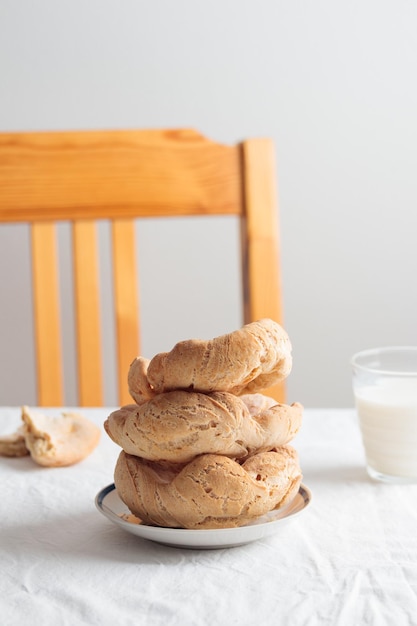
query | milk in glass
[388, 419]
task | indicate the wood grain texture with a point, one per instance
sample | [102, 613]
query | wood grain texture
[126, 301]
[91, 175]
[87, 313]
[86, 176]
[46, 310]
[259, 232]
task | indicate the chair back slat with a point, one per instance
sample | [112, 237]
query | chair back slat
[126, 301]
[87, 313]
[46, 308]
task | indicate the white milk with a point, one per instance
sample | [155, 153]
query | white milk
[388, 419]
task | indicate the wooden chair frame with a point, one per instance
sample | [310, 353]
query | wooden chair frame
[82, 177]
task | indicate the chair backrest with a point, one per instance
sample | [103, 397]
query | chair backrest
[82, 177]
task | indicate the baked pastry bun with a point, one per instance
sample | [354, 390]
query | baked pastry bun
[247, 360]
[178, 425]
[211, 491]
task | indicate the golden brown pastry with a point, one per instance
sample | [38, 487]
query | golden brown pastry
[55, 441]
[137, 380]
[14, 444]
[178, 425]
[212, 491]
[247, 360]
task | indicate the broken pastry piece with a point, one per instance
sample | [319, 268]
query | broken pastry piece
[52, 441]
[14, 444]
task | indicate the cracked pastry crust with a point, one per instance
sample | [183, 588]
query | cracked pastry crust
[211, 491]
[178, 425]
[247, 360]
[52, 441]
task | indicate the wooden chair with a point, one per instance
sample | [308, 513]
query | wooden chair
[82, 177]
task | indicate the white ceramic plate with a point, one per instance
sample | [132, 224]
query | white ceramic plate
[109, 504]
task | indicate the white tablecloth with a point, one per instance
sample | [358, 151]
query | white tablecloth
[349, 558]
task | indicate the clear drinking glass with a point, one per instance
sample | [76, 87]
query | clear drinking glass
[385, 390]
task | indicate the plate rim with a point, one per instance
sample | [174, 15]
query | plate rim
[303, 490]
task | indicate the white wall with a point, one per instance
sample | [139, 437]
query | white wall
[333, 83]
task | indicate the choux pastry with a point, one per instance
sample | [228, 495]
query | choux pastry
[211, 491]
[178, 425]
[247, 360]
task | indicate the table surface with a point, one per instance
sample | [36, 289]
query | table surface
[349, 558]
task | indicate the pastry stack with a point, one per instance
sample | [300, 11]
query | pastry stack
[202, 446]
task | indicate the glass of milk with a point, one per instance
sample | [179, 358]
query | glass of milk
[385, 390]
